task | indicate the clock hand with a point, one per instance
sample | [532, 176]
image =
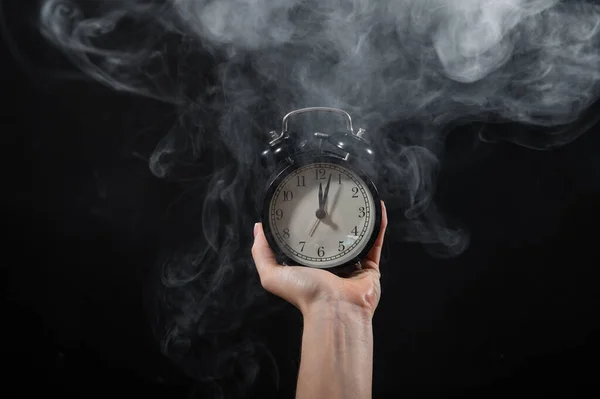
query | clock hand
[314, 227]
[324, 200]
[320, 195]
[328, 220]
[320, 213]
[326, 216]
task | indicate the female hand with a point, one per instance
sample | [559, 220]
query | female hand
[308, 288]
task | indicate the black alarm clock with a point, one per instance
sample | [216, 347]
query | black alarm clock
[321, 207]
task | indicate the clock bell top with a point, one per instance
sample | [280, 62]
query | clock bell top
[348, 142]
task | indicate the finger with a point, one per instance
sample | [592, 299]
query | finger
[372, 259]
[264, 258]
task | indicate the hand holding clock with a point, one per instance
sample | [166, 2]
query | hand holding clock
[311, 288]
[337, 309]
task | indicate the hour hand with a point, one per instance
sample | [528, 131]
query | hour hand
[320, 196]
[320, 213]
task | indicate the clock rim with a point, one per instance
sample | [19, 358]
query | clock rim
[296, 162]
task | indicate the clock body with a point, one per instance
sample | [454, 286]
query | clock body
[334, 240]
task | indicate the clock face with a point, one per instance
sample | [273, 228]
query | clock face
[328, 234]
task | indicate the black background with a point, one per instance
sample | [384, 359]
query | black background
[516, 313]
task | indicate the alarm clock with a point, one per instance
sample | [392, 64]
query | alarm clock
[321, 207]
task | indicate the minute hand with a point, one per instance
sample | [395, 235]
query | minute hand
[324, 199]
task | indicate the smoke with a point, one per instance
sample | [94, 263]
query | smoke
[406, 70]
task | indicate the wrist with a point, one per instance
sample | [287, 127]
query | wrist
[337, 352]
[337, 310]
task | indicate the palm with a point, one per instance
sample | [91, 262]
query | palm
[307, 286]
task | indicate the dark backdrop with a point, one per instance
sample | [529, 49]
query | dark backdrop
[517, 313]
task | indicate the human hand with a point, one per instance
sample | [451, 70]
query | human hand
[308, 288]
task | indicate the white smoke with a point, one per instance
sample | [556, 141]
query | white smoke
[406, 69]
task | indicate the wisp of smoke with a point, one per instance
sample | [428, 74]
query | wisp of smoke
[406, 69]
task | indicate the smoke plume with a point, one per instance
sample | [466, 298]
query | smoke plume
[406, 70]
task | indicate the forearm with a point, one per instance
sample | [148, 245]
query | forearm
[337, 354]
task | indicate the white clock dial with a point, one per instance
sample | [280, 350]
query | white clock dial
[336, 234]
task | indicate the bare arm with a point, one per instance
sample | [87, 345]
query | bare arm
[337, 343]
[337, 353]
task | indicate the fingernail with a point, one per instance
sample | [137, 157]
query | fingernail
[255, 229]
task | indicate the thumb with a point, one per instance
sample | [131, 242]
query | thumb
[264, 258]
